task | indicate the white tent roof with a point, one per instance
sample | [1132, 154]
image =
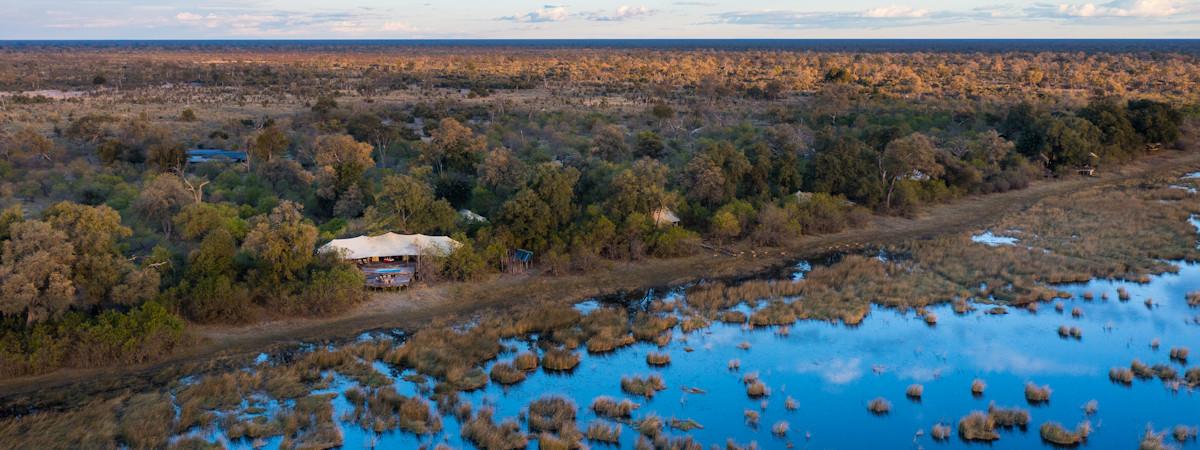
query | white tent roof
[663, 216]
[391, 244]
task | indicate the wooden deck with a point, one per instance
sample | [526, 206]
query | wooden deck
[388, 275]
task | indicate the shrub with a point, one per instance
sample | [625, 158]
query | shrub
[1035, 394]
[977, 426]
[645, 387]
[1054, 433]
[879, 406]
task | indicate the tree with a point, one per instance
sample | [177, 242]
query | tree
[197, 220]
[530, 220]
[453, 146]
[187, 115]
[369, 127]
[907, 157]
[161, 199]
[281, 244]
[407, 205]
[639, 189]
[269, 143]
[1112, 119]
[35, 271]
[1158, 122]
[843, 165]
[703, 180]
[1070, 142]
[93, 232]
[342, 162]
[724, 225]
[502, 171]
[8, 217]
[608, 143]
[650, 145]
[27, 147]
[555, 185]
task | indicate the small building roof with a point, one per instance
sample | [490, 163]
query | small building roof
[664, 216]
[391, 244]
[471, 216]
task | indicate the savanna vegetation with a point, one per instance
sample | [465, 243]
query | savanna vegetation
[113, 242]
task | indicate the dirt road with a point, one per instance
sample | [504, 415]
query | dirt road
[220, 346]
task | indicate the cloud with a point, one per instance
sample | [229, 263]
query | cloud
[548, 13]
[888, 12]
[1113, 9]
[398, 26]
[836, 371]
[622, 13]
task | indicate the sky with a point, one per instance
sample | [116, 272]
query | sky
[484, 19]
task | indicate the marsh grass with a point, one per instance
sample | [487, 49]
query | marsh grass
[1008, 417]
[1184, 433]
[977, 387]
[658, 359]
[605, 433]
[506, 374]
[791, 404]
[1180, 354]
[483, 432]
[1193, 299]
[526, 361]
[650, 425]
[552, 414]
[879, 406]
[780, 428]
[1091, 407]
[1054, 433]
[384, 409]
[977, 426]
[684, 425]
[560, 360]
[1036, 395]
[914, 391]
[751, 417]
[1141, 370]
[643, 386]
[1070, 332]
[611, 408]
[733, 317]
[940, 432]
[1121, 375]
[92, 425]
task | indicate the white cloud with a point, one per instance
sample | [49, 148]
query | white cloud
[622, 12]
[1116, 8]
[886, 12]
[548, 13]
[188, 17]
[398, 26]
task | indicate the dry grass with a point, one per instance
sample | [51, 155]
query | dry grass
[1035, 394]
[384, 409]
[613, 409]
[791, 404]
[527, 361]
[757, 389]
[780, 428]
[650, 425]
[1141, 370]
[977, 426]
[684, 425]
[1192, 377]
[1054, 433]
[751, 417]
[1008, 417]
[940, 432]
[1091, 407]
[643, 386]
[1184, 433]
[1193, 299]
[1070, 332]
[551, 414]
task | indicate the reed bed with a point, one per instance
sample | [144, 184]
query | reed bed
[1035, 394]
[602, 432]
[1184, 433]
[506, 374]
[914, 391]
[611, 408]
[1180, 354]
[977, 387]
[879, 406]
[643, 386]
[1121, 375]
[658, 359]
[940, 432]
[780, 428]
[560, 360]
[484, 432]
[551, 414]
[526, 361]
[978, 426]
[1008, 417]
[1055, 433]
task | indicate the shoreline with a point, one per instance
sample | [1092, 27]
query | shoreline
[219, 346]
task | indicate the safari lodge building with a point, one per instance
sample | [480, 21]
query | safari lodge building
[391, 260]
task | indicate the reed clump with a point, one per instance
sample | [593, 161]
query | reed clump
[484, 432]
[940, 432]
[1193, 299]
[560, 360]
[1055, 433]
[1184, 433]
[1141, 370]
[647, 327]
[658, 359]
[914, 391]
[606, 433]
[551, 414]
[611, 408]
[1180, 354]
[384, 409]
[506, 374]
[734, 317]
[643, 386]
[977, 426]
[1035, 394]
[1008, 417]
[1121, 375]
[751, 417]
[977, 387]
[526, 361]
[1069, 332]
[879, 406]
[684, 425]
[780, 428]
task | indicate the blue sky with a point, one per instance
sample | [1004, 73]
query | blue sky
[313, 19]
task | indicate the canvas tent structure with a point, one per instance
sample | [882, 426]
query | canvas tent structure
[664, 217]
[391, 259]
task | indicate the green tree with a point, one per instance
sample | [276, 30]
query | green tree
[453, 146]
[905, 158]
[724, 225]
[342, 161]
[35, 272]
[281, 244]
[650, 145]
[407, 205]
[268, 143]
[608, 143]
[529, 219]
[94, 232]
[1156, 121]
[639, 189]
[161, 199]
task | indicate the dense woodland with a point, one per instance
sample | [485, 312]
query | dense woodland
[112, 243]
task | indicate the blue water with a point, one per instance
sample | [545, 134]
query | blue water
[834, 370]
